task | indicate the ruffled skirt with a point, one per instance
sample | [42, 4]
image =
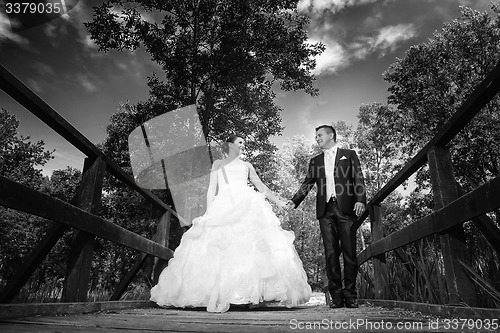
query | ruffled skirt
[237, 253]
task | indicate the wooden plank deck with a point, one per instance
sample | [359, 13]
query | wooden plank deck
[366, 318]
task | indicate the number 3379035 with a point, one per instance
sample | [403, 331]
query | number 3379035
[33, 8]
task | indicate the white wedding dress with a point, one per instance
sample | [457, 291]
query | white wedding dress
[237, 253]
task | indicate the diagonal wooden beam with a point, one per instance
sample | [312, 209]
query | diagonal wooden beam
[482, 94]
[124, 283]
[37, 106]
[22, 198]
[486, 225]
[489, 230]
[36, 257]
[161, 236]
[478, 202]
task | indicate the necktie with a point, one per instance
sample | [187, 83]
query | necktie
[330, 188]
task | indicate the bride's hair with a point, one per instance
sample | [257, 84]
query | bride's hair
[230, 139]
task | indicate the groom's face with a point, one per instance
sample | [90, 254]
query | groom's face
[324, 139]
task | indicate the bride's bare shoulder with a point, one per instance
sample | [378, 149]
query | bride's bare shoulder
[216, 164]
[248, 165]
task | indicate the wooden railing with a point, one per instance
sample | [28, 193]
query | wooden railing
[451, 209]
[81, 216]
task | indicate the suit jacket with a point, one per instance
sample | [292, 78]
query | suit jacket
[349, 182]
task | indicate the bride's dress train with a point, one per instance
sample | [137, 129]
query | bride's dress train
[237, 253]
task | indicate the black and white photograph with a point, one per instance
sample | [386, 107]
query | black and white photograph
[249, 166]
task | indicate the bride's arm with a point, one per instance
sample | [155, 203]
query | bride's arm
[212, 187]
[254, 178]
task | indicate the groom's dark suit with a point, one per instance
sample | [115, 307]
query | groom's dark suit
[336, 216]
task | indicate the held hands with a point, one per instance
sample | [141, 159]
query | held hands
[281, 203]
[359, 208]
[285, 204]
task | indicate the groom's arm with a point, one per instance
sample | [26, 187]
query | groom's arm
[359, 185]
[306, 186]
[359, 182]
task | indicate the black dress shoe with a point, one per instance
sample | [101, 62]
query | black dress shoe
[351, 303]
[336, 305]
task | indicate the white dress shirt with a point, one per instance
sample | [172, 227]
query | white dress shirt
[330, 155]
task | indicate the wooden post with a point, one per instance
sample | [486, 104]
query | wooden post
[77, 278]
[453, 245]
[380, 277]
[486, 225]
[124, 283]
[161, 237]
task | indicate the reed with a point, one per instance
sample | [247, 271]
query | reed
[50, 291]
[422, 279]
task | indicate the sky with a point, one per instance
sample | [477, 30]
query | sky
[60, 63]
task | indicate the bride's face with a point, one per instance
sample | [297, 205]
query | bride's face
[239, 145]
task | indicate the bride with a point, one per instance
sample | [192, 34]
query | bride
[237, 252]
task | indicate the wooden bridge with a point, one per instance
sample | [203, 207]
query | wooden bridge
[75, 313]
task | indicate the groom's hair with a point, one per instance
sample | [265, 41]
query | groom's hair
[329, 129]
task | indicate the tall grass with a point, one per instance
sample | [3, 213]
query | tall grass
[422, 278]
[50, 291]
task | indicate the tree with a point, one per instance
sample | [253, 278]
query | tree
[223, 55]
[428, 85]
[377, 148]
[345, 135]
[432, 80]
[293, 163]
[63, 184]
[19, 158]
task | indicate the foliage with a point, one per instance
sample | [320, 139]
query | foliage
[428, 85]
[24, 231]
[433, 79]
[375, 140]
[223, 55]
[293, 163]
[19, 157]
[232, 88]
[63, 184]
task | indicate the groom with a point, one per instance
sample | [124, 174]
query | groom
[340, 197]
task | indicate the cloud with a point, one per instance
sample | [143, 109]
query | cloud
[304, 118]
[75, 18]
[50, 30]
[317, 7]
[43, 69]
[63, 157]
[86, 82]
[340, 54]
[386, 41]
[89, 43]
[310, 117]
[353, 30]
[6, 33]
[35, 85]
[332, 59]
[336, 57]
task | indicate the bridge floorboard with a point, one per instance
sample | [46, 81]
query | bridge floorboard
[320, 318]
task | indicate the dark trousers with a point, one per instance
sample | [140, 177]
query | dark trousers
[338, 237]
